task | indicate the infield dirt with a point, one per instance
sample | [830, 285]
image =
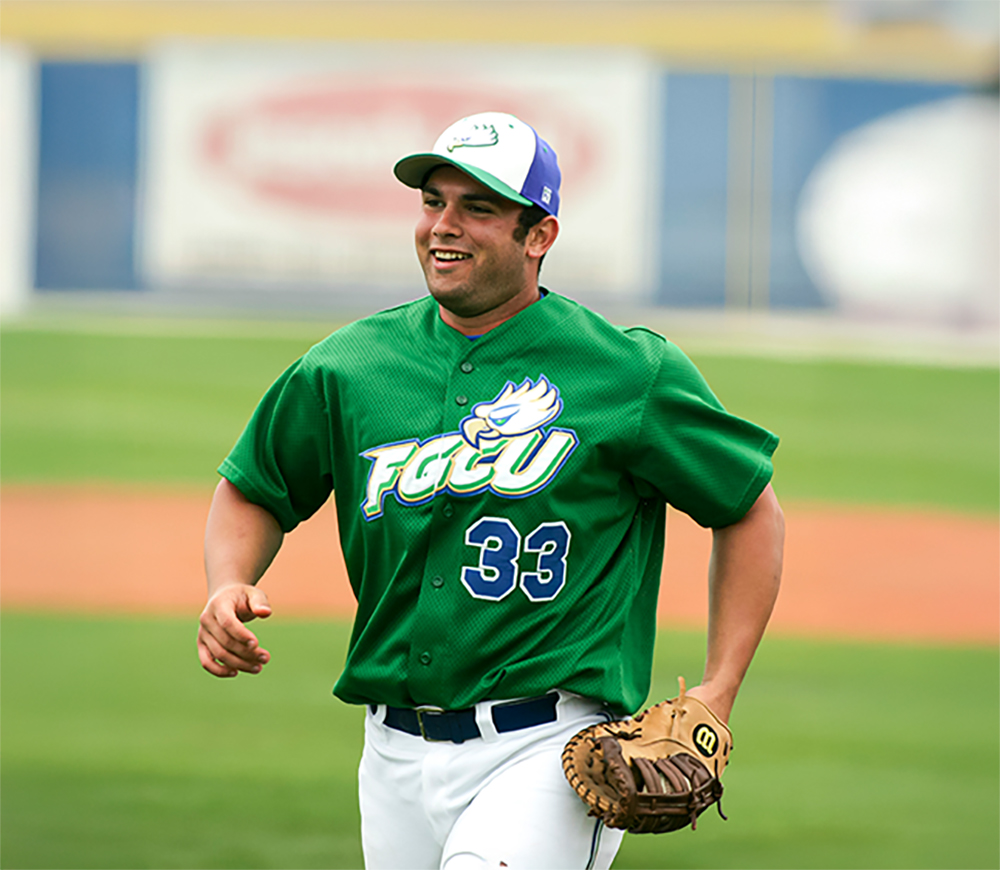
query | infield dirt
[849, 572]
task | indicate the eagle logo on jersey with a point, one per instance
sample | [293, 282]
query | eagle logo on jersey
[516, 411]
[501, 447]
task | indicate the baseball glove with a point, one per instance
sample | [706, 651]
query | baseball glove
[654, 773]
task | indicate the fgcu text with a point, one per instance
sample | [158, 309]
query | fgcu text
[500, 447]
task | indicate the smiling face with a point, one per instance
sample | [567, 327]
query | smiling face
[473, 265]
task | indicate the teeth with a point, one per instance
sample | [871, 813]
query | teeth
[451, 255]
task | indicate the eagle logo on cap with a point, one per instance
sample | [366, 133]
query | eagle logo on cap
[480, 136]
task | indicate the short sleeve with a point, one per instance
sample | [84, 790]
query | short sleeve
[282, 461]
[704, 461]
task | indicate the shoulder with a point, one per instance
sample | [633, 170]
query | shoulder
[638, 345]
[386, 332]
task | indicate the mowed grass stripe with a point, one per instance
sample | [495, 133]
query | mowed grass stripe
[862, 433]
[278, 328]
[120, 752]
[129, 408]
[167, 409]
[783, 336]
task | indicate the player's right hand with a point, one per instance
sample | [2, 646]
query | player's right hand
[225, 645]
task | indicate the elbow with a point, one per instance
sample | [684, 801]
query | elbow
[775, 525]
[766, 513]
[766, 521]
[775, 513]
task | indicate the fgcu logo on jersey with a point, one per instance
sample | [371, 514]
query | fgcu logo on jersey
[501, 447]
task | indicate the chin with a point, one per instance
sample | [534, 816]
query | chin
[456, 305]
[460, 301]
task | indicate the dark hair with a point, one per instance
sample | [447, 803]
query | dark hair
[529, 216]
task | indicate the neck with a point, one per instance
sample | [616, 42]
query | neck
[483, 323]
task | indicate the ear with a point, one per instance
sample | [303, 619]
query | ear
[541, 237]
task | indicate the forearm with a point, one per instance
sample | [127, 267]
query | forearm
[744, 576]
[241, 539]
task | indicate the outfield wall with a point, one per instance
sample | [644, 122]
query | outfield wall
[227, 165]
[18, 147]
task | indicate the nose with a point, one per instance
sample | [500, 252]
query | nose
[447, 223]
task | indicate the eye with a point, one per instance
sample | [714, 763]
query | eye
[499, 416]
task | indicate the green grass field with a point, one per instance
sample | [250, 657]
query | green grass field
[119, 751]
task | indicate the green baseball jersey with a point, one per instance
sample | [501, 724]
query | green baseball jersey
[501, 501]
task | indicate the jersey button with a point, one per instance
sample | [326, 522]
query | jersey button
[437, 582]
[467, 367]
[461, 400]
[425, 658]
[448, 510]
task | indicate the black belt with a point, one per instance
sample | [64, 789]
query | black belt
[457, 726]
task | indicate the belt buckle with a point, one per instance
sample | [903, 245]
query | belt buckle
[420, 722]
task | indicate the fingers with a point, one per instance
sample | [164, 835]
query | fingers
[211, 664]
[225, 646]
[257, 603]
[234, 605]
[221, 662]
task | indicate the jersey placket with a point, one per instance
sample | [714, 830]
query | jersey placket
[441, 583]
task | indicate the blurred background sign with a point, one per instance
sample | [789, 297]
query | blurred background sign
[274, 163]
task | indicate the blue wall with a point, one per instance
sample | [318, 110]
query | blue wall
[692, 236]
[88, 167]
[86, 209]
[809, 116]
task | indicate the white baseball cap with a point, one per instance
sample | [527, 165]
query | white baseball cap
[499, 151]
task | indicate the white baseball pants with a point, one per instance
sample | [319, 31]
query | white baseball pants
[499, 800]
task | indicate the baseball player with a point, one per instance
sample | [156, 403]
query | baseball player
[501, 459]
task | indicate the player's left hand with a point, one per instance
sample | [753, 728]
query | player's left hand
[655, 772]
